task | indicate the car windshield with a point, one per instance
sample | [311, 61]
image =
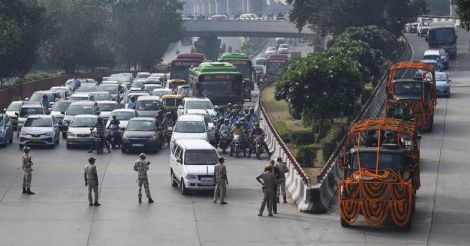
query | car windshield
[141, 125]
[123, 115]
[138, 84]
[83, 122]
[441, 76]
[107, 106]
[37, 96]
[199, 105]
[386, 161]
[60, 106]
[148, 105]
[112, 89]
[200, 157]
[25, 112]
[408, 89]
[88, 87]
[190, 127]
[14, 106]
[38, 122]
[80, 109]
[101, 96]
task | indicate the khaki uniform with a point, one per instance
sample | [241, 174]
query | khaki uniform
[282, 167]
[28, 171]
[91, 179]
[141, 167]
[220, 180]
[269, 185]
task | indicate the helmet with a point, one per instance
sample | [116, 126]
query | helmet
[142, 156]
[229, 104]
[226, 121]
[114, 116]
[252, 109]
[26, 148]
[221, 119]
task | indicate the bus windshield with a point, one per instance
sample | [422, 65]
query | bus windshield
[219, 85]
[273, 68]
[180, 69]
[441, 36]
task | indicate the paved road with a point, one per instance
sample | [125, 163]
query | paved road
[59, 214]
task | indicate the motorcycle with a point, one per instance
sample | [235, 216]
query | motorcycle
[237, 146]
[115, 136]
[224, 142]
[257, 147]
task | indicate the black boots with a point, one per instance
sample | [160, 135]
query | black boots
[28, 191]
[150, 200]
[140, 199]
[285, 200]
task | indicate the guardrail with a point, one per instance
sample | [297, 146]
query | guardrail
[317, 198]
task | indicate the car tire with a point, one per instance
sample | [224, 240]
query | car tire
[172, 180]
[184, 191]
[123, 150]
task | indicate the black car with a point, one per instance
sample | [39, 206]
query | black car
[143, 134]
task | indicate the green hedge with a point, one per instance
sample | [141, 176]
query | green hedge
[33, 76]
[329, 143]
[306, 154]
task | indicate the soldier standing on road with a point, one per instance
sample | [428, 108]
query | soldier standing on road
[220, 180]
[281, 189]
[28, 171]
[277, 176]
[268, 181]
[141, 166]
[91, 180]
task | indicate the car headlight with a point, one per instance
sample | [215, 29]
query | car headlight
[71, 134]
[191, 176]
[153, 138]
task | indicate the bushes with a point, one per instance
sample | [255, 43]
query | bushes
[298, 137]
[32, 76]
[330, 142]
[306, 154]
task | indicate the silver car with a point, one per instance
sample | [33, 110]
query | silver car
[79, 132]
[123, 115]
[106, 107]
[442, 84]
[6, 130]
[40, 130]
[12, 111]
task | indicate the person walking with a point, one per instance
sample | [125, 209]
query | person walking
[220, 180]
[268, 182]
[281, 189]
[27, 171]
[91, 180]
[141, 166]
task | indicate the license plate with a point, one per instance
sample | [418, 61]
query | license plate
[137, 145]
[207, 181]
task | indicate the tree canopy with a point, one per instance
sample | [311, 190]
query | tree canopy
[334, 16]
[463, 11]
[21, 23]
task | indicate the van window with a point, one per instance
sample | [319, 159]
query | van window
[178, 152]
[200, 157]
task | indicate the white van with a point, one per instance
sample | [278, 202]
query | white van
[192, 164]
[189, 126]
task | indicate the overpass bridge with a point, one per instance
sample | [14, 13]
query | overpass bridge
[208, 31]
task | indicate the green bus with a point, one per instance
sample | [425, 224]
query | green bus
[241, 61]
[221, 82]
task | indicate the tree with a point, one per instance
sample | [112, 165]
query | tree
[321, 87]
[77, 34]
[462, 8]
[143, 29]
[438, 7]
[334, 16]
[21, 23]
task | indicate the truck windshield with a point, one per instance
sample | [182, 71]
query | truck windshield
[386, 161]
[408, 89]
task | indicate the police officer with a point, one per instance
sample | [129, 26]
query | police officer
[281, 189]
[141, 166]
[220, 180]
[268, 181]
[28, 171]
[91, 180]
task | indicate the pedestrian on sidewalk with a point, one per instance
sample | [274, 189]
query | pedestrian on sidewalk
[91, 180]
[141, 166]
[268, 182]
[27, 171]
[220, 180]
[281, 189]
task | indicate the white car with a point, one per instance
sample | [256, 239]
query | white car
[423, 28]
[161, 92]
[123, 115]
[142, 75]
[78, 132]
[203, 103]
[192, 163]
[209, 123]
[106, 107]
[270, 51]
[249, 17]
[40, 130]
[189, 127]
[79, 96]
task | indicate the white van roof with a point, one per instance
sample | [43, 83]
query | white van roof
[431, 53]
[191, 117]
[194, 144]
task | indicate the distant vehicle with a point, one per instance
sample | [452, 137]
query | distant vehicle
[261, 60]
[436, 63]
[69, 82]
[423, 28]
[28, 108]
[123, 115]
[100, 96]
[40, 130]
[183, 62]
[411, 27]
[218, 17]
[442, 84]
[12, 111]
[281, 17]
[243, 64]
[151, 87]
[245, 17]
[189, 126]
[106, 107]
[112, 89]
[273, 66]
[148, 106]
[283, 49]
[63, 91]
[58, 111]
[79, 96]
[270, 51]
[439, 55]
[280, 40]
[79, 108]
[88, 87]
[161, 92]
[442, 35]
[209, 123]
[6, 130]
[78, 132]
[142, 75]
[51, 95]
[219, 81]
[192, 163]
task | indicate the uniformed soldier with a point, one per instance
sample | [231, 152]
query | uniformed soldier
[281, 189]
[268, 181]
[91, 180]
[220, 180]
[28, 171]
[277, 175]
[141, 166]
